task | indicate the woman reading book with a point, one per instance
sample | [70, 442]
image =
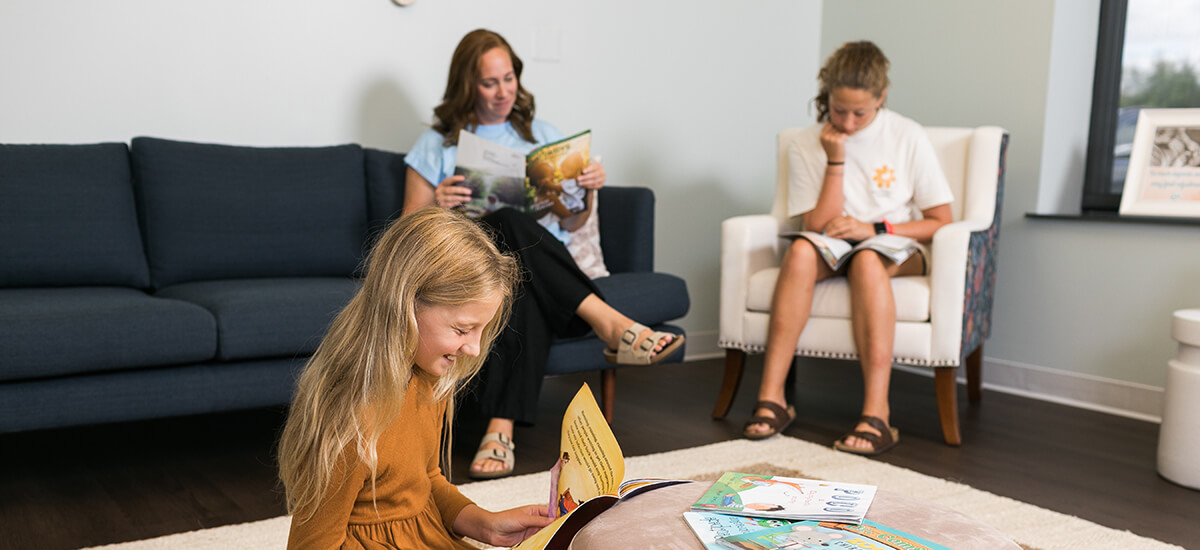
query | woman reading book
[860, 171]
[484, 96]
[362, 451]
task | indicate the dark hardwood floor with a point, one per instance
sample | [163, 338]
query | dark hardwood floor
[77, 487]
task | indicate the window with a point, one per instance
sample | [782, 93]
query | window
[1147, 56]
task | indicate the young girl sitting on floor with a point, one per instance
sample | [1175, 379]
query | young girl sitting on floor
[360, 456]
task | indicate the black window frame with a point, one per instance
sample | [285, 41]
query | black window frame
[1106, 98]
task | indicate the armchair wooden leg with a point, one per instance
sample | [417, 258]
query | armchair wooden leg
[735, 360]
[608, 391]
[974, 365]
[947, 400]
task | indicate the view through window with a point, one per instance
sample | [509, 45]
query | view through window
[1148, 56]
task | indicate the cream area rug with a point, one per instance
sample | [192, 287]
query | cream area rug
[1032, 527]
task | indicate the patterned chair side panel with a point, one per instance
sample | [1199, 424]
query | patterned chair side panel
[981, 271]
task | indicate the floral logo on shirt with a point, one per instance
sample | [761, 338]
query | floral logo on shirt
[884, 177]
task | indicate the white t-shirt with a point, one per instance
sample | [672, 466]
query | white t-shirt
[891, 172]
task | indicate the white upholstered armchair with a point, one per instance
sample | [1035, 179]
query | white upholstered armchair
[941, 318]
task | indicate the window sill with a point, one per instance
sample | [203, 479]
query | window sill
[1113, 217]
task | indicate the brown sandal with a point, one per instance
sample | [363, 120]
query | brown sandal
[887, 438]
[782, 419]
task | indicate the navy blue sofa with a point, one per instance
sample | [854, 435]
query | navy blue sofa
[171, 278]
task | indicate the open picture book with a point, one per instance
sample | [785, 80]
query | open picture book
[836, 252]
[544, 180]
[586, 480]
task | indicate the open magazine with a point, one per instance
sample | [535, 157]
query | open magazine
[586, 480]
[539, 182]
[837, 252]
[814, 534]
[764, 496]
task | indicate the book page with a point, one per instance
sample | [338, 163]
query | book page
[552, 170]
[587, 476]
[894, 247]
[494, 173]
[831, 250]
[590, 462]
[480, 154]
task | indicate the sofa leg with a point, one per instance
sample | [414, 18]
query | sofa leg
[974, 364]
[735, 360]
[608, 391]
[947, 400]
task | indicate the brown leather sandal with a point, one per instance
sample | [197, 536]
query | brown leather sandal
[887, 438]
[782, 419]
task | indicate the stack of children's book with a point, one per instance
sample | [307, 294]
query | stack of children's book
[743, 511]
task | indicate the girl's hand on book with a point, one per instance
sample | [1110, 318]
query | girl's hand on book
[449, 194]
[593, 176]
[506, 528]
[848, 228]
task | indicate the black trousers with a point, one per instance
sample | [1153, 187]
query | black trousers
[551, 289]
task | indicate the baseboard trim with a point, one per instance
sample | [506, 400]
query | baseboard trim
[1085, 391]
[702, 344]
[1107, 395]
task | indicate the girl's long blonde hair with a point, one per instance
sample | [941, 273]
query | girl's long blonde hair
[355, 382]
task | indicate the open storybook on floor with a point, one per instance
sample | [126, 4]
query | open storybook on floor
[836, 252]
[544, 180]
[586, 480]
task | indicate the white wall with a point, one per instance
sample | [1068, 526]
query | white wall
[1083, 309]
[683, 96]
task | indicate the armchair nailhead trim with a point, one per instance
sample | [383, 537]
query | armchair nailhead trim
[847, 356]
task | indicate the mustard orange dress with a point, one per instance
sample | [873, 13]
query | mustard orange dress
[414, 506]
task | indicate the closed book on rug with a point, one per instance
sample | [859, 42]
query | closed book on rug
[711, 526]
[786, 497]
[822, 534]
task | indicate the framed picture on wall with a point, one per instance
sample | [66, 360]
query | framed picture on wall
[1163, 178]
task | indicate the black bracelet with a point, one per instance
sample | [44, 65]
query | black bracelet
[831, 163]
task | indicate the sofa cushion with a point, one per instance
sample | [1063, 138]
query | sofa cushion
[46, 332]
[67, 217]
[260, 318]
[220, 212]
[649, 298]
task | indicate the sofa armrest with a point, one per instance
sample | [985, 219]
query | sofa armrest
[627, 228]
[748, 244]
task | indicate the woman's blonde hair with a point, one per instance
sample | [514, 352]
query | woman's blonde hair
[457, 110]
[355, 382]
[858, 65]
